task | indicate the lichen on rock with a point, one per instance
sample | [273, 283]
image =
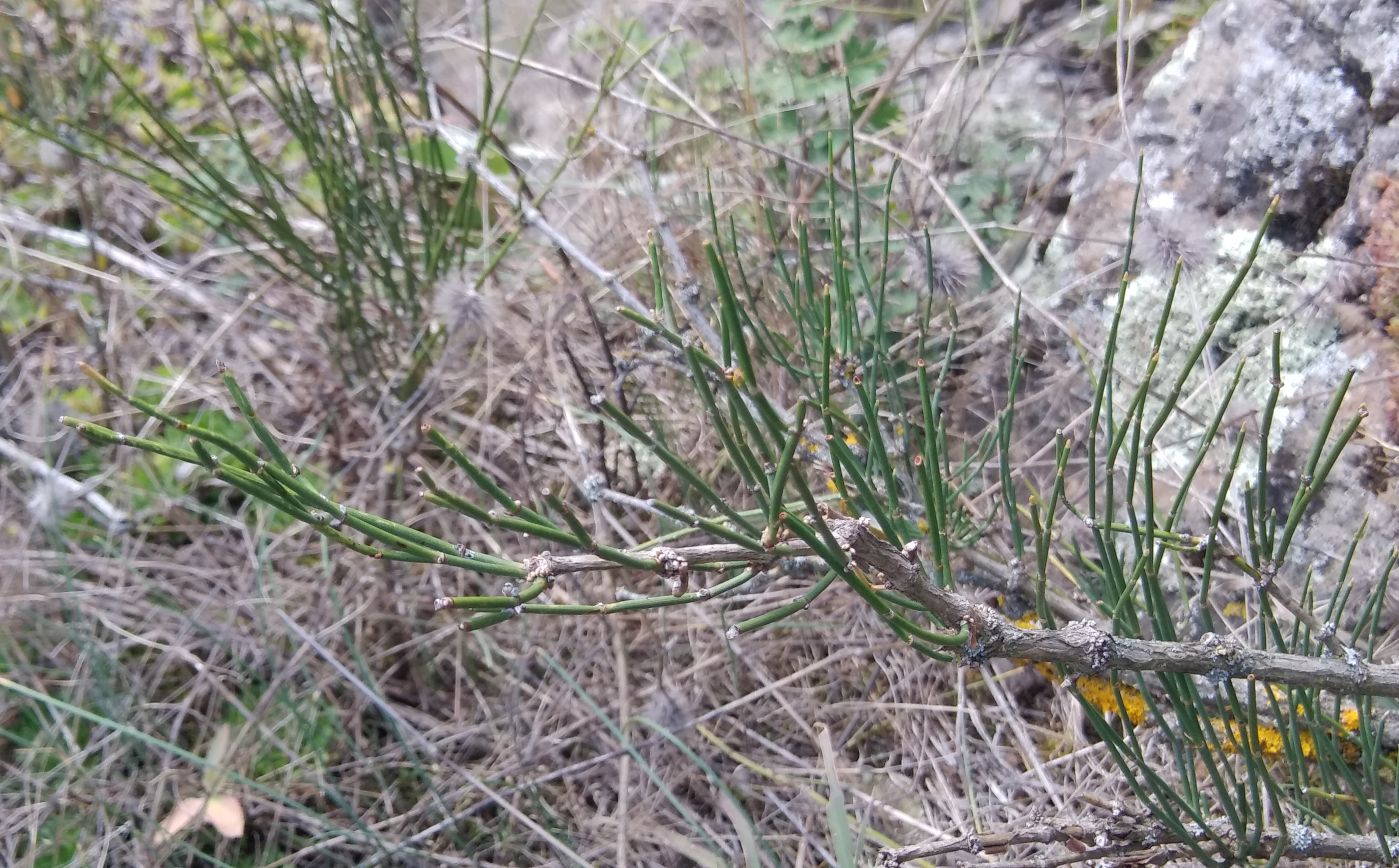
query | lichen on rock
[1274, 293]
[1263, 99]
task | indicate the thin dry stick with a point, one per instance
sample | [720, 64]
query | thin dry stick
[621, 96]
[188, 292]
[675, 257]
[880, 95]
[65, 488]
[940, 191]
[536, 221]
[571, 251]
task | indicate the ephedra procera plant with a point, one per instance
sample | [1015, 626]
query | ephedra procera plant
[837, 463]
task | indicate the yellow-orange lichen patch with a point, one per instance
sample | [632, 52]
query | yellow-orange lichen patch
[1104, 695]
[1382, 245]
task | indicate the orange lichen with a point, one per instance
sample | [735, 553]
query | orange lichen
[845, 505]
[1103, 694]
[1271, 742]
[1270, 738]
[1099, 692]
[1350, 719]
[1237, 609]
[1382, 245]
[1027, 621]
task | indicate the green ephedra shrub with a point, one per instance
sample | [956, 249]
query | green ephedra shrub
[836, 461]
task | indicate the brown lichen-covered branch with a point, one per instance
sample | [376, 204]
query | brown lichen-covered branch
[1082, 645]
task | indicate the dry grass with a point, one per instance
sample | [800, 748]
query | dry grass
[377, 733]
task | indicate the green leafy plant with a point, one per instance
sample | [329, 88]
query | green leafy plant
[823, 69]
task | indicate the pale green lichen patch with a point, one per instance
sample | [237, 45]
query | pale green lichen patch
[1177, 70]
[1276, 295]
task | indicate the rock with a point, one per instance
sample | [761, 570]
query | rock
[1259, 101]
[1263, 99]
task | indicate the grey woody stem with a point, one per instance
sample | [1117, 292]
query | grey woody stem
[1125, 834]
[1080, 645]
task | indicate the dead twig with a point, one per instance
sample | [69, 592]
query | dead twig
[186, 291]
[58, 488]
[533, 218]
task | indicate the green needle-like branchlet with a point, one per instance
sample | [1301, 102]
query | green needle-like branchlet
[457, 503]
[784, 466]
[582, 538]
[786, 610]
[932, 637]
[846, 460]
[1314, 481]
[732, 439]
[244, 455]
[263, 435]
[481, 479]
[718, 528]
[1139, 566]
[488, 620]
[1206, 334]
[678, 465]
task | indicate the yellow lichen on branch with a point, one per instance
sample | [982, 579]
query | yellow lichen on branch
[1125, 701]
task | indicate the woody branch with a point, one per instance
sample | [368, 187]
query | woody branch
[1080, 645]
